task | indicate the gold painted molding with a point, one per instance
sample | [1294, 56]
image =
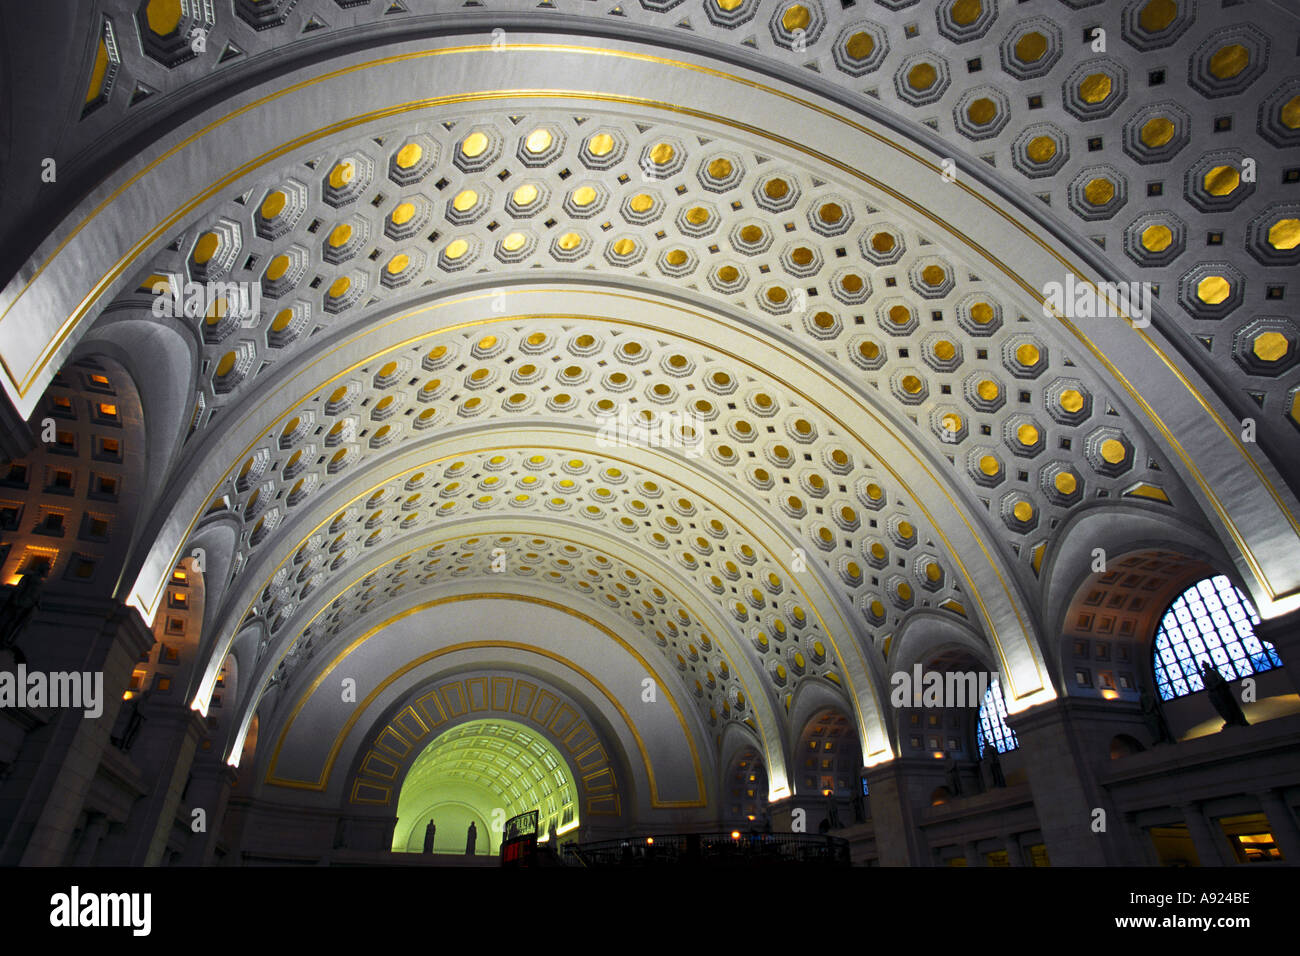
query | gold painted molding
[322, 781]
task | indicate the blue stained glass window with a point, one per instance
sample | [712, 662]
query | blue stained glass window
[1210, 620]
[993, 722]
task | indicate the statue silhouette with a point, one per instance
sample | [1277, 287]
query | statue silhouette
[954, 777]
[1222, 697]
[18, 605]
[833, 812]
[429, 832]
[471, 838]
[1155, 720]
[996, 776]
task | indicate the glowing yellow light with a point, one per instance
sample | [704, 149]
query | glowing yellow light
[1157, 238]
[1284, 234]
[1156, 132]
[538, 141]
[474, 144]
[1031, 47]
[662, 154]
[859, 46]
[409, 155]
[1113, 451]
[1222, 180]
[1213, 289]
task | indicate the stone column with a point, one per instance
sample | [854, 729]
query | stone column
[210, 785]
[784, 813]
[1203, 838]
[42, 799]
[164, 751]
[91, 835]
[972, 851]
[1282, 823]
[1061, 743]
[1146, 850]
[1015, 855]
[898, 840]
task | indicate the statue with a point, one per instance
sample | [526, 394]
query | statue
[471, 838]
[996, 777]
[859, 804]
[134, 721]
[1157, 727]
[1222, 697]
[954, 777]
[19, 604]
[429, 832]
[832, 811]
[553, 836]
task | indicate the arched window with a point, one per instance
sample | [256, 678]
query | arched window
[1211, 619]
[993, 722]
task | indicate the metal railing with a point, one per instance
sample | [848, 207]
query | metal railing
[713, 849]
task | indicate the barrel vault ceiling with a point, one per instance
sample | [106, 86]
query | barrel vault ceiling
[471, 284]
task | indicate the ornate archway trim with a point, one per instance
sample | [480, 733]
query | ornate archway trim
[441, 705]
[322, 782]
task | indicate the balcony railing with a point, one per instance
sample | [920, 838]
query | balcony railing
[714, 849]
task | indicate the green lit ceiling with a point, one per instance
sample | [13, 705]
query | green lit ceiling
[490, 766]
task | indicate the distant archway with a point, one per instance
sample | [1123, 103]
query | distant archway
[484, 772]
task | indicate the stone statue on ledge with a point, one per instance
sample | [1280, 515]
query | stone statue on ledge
[1222, 697]
[954, 777]
[859, 804]
[996, 777]
[19, 604]
[430, 832]
[1155, 720]
[833, 811]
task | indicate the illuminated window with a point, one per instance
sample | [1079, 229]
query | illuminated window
[993, 722]
[108, 448]
[1211, 620]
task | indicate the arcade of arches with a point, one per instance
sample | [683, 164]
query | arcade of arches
[434, 411]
